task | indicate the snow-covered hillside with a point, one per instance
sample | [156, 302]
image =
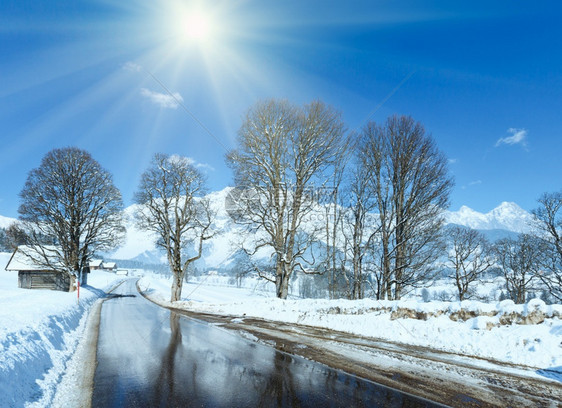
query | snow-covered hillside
[137, 242]
[39, 331]
[140, 245]
[220, 251]
[479, 334]
[5, 222]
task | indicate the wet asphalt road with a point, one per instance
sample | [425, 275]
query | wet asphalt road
[151, 357]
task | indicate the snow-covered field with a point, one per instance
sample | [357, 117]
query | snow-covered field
[538, 346]
[39, 330]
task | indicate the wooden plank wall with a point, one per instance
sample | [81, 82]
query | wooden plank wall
[43, 280]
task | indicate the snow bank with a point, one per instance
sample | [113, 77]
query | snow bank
[466, 328]
[39, 330]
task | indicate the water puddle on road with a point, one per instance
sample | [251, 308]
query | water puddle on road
[151, 357]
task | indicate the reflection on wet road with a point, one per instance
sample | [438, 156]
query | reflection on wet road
[151, 357]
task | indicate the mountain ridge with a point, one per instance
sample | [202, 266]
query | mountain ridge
[506, 219]
[506, 216]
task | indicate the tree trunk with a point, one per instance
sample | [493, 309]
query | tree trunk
[177, 285]
[282, 283]
[72, 286]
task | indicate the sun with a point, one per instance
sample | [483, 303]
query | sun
[197, 27]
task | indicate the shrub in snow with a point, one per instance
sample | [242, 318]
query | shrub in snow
[506, 305]
[482, 323]
[535, 305]
[425, 295]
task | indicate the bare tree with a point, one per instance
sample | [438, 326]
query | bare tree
[411, 186]
[333, 203]
[16, 236]
[283, 153]
[549, 220]
[171, 206]
[360, 226]
[520, 262]
[71, 200]
[470, 256]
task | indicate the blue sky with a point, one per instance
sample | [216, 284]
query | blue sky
[485, 78]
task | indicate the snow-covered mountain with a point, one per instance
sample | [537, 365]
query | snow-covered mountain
[222, 251]
[507, 216]
[5, 222]
[218, 252]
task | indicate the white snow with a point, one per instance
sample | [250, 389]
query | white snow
[136, 241]
[219, 250]
[537, 346]
[507, 216]
[39, 330]
[5, 222]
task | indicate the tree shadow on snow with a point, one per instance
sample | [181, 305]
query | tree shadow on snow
[96, 291]
[554, 373]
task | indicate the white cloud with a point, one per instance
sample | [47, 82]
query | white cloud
[163, 100]
[131, 66]
[519, 136]
[181, 159]
[453, 161]
[204, 166]
[471, 184]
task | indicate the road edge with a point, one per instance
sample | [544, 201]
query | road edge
[491, 393]
[81, 368]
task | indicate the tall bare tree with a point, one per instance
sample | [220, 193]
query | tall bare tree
[520, 262]
[283, 152]
[171, 206]
[549, 220]
[411, 185]
[470, 256]
[360, 225]
[333, 203]
[70, 199]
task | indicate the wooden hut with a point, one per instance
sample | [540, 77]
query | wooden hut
[95, 264]
[109, 266]
[33, 274]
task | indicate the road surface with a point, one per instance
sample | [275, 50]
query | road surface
[149, 356]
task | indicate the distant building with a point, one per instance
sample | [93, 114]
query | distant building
[95, 264]
[109, 266]
[33, 274]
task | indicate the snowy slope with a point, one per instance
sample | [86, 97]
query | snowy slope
[532, 345]
[218, 252]
[221, 250]
[5, 222]
[39, 330]
[137, 242]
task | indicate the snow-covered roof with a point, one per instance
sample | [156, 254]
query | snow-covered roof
[25, 258]
[109, 265]
[96, 263]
